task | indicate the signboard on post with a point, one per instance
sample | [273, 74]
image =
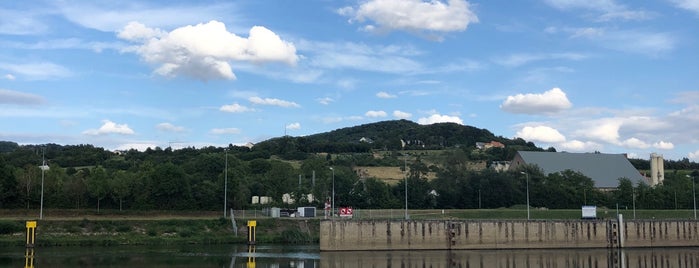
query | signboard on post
[589, 212]
[346, 212]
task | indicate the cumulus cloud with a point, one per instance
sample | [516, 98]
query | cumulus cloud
[438, 118]
[401, 115]
[606, 130]
[273, 102]
[694, 155]
[580, 146]
[109, 127]
[635, 143]
[168, 127]
[19, 98]
[235, 108]
[541, 133]
[293, 126]
[224, 131]
[385, 95]
[552, 101]
[663, 145]
[412, 15]
[9, 77]
[375, 114]
[203, 51]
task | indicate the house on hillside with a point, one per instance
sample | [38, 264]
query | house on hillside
[488, 145]
[604, 169]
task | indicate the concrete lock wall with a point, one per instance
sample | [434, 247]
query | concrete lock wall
[340, 235]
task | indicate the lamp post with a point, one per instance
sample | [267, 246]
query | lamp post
[44, 167]
[527, 175]
[332, 205]
[405, 175]
[225, 184]
[694, 196]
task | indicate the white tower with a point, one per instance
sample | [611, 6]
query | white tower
[657, 169]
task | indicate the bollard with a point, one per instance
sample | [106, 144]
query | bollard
[31, 233]
[252, 226]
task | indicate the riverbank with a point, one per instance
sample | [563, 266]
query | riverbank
[107, 232]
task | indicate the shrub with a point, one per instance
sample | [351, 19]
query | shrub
[10, 227]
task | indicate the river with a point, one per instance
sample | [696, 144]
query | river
[278, 256]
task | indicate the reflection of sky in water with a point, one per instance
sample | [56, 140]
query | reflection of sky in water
[280, 256]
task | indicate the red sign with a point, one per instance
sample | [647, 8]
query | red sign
[345, 212]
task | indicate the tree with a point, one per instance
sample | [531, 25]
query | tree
[8, 186]
[97, 185]
[121, 186]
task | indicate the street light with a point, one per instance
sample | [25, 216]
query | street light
[527, 175]
[225, 184]
[405, 176]
[694, 196]
[332, 209]
[43, 167]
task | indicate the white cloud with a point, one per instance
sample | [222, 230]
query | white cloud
[293, 126]
[691, 5]
[203, 51]
[224, 131]
[401, 115]
[663, 145]
[606, 130]
[9, 77]
[629, 41]
[385, 95]
[694, 155]
[19, 98]
[635, 143]
[438, 118]
[552, 101]
[607, 9]
[168, 127]
[358, 56]
[235, 108]
[412, 15]
[109, 127]
[515, 60]
[110, 16]
[325, 101]
[541, 133]
[580, 146]
[375, 114]
[37, 71]
[273, 102]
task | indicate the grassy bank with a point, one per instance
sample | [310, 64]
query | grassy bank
[157, 232]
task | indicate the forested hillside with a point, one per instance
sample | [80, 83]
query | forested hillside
[84, 176]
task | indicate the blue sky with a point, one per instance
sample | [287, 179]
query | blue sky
[579, 75]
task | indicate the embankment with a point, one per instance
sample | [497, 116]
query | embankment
[341, 235]
[157, 231]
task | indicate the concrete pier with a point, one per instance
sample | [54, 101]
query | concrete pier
[348, 235]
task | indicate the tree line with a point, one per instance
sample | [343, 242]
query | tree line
[194, 179]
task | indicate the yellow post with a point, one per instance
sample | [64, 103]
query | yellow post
[31, 233]
[251, 257]
[252, 225]
[29, 258]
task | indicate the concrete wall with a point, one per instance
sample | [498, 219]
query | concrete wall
[340, 235]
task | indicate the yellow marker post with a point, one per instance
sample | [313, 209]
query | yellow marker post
[252, 227]
[29, 258]
[31, 233]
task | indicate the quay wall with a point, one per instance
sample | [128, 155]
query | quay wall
[368, 235]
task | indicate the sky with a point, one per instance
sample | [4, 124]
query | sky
[578, 75]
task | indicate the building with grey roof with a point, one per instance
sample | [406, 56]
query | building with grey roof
[604, 169]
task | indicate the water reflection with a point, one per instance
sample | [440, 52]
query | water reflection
[599, 258]
[275, 256]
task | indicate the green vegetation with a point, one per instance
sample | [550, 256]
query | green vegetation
[444, 170]
[158, 232]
